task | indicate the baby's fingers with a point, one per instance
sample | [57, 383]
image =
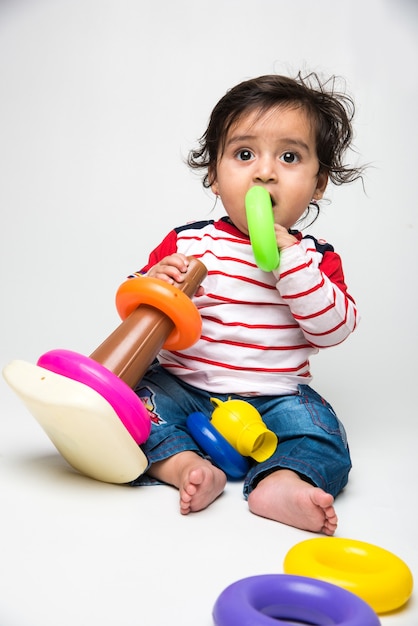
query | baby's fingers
[171, 269]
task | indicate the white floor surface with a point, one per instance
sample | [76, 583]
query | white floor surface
[77, 552]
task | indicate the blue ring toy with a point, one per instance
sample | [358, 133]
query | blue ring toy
[216, 446]
[274, 599]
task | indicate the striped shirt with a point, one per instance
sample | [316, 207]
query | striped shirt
[259, 329]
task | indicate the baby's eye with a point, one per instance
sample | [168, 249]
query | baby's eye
[244, 155]
[289, 157]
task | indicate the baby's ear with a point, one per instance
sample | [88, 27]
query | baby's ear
[212, 179]
[321, 185]
[215, 188]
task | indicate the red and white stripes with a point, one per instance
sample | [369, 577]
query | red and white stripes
[258, 329]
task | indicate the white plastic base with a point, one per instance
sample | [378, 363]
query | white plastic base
[80, 423]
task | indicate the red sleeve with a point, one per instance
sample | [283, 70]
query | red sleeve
[166, 247]
[331, 266]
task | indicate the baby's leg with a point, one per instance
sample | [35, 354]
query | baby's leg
[284, 497]
[198, 481]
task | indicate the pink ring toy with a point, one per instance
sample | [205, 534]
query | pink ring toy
[120, 396]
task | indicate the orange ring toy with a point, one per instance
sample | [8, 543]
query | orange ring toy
[167, 299]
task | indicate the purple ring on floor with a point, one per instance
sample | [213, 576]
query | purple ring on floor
[217, 447]
[274, 599]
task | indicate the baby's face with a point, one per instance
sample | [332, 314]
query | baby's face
[277, 150]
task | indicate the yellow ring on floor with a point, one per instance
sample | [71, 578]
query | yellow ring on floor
[376, 575]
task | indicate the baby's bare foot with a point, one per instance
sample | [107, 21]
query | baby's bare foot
[201, 484]
[284, 497]
[198, 481]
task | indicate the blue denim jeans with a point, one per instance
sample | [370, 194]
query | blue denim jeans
[312, 440]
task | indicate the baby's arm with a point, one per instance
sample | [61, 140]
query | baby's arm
[316, 294]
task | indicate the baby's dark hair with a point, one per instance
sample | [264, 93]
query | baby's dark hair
[330, 111]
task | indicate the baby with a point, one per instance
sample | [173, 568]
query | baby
[259, 329]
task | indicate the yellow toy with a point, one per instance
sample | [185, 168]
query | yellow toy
[376, 575]
[242, 426]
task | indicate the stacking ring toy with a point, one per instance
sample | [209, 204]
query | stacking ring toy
[274, 599]
[216, 446]
[377, 576]
[261, 228]
[86, 405]
[120, 396]
[166, 298]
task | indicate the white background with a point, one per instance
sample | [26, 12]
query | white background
[100, 102]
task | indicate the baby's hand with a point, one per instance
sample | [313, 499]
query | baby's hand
[283, 237]
[172, 269]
